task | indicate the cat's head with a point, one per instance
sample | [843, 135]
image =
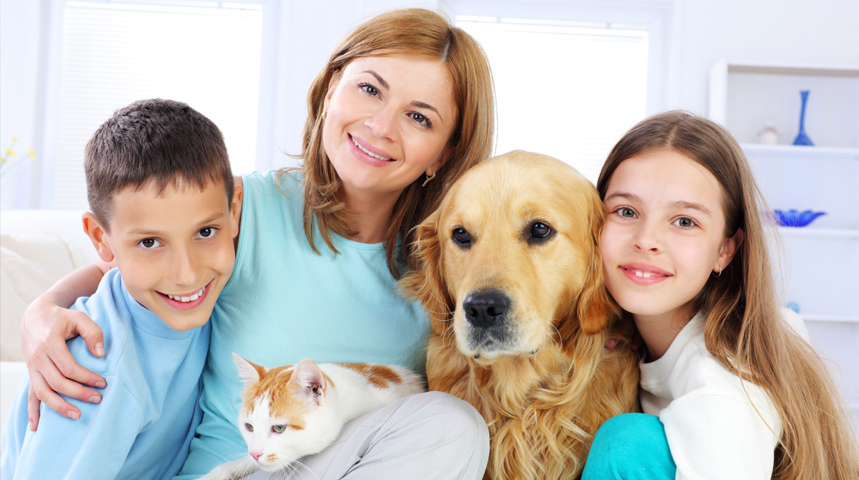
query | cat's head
[284, 413]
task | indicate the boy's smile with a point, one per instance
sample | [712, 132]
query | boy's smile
[173, 248]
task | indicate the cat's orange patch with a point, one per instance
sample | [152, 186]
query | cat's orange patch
[284, 401]
[379, 376]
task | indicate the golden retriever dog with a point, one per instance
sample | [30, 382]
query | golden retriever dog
[512, 278]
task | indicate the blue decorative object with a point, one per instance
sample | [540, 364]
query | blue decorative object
[793, 306]
[801, 137]
[793, 218]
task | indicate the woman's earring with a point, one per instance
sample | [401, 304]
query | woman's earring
[717, 275]
[324, 114]
[429, 177]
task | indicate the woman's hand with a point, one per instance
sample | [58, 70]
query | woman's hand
[44, 330]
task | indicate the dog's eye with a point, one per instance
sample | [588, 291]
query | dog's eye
[539, 232]
[461, 236]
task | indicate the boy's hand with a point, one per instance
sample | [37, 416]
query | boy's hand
[44, 331]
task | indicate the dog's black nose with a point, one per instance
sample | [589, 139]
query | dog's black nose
[486, 309]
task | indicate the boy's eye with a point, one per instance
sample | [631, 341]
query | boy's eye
[206, 232]
[278, 428]
[149, 243]
[685, 222]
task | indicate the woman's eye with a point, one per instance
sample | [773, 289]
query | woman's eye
[421, 119]
[207, 232]
[685, 222]
[149, 243]
[369, 89]
[540, 230]
[626, 212]
[249, 427]
[461, 237]
[278, 428]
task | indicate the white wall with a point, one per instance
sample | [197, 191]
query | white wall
[301, 34]
[782, 32]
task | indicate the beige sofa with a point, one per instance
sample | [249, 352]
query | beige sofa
[37, 247]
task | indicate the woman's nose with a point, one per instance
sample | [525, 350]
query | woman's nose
[381, 122]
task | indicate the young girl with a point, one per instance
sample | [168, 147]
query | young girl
[737, 392]
[403, 106]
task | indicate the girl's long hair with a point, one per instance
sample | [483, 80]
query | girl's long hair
[744, 329]
[416, 32]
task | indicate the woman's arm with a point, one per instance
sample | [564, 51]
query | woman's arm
[46, 326]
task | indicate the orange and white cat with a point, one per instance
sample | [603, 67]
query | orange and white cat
[297, 410]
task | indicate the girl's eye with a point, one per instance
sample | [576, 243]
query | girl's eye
[207, 232]
[149, 243]
[369, 89]
[249, 427]
[422, 120]
[685, 222]
[278, 428]
[625, 212]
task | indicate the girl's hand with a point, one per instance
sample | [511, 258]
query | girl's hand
[44, 331]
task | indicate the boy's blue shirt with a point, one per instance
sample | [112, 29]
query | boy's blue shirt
[149, 410]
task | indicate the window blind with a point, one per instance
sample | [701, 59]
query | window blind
[203, 54]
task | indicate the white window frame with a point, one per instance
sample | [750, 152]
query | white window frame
[43, 176]
[661, 18]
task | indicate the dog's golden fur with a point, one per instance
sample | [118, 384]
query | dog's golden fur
[535, 365]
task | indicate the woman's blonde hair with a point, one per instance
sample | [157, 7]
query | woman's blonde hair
[414, 32]
[744, 328]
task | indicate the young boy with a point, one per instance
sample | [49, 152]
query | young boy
[164, 212]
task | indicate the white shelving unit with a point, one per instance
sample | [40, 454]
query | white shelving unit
[818, 264]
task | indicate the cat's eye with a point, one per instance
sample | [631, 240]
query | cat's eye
[278, 428]
[249, 427]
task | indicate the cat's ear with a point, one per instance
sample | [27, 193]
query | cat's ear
[311, 380]
[249, 371]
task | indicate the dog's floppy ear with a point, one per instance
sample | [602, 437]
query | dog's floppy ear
[595, 306]
[426, 283]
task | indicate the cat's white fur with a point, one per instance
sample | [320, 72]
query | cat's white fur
[310, 407]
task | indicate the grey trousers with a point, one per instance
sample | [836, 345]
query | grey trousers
[430, 435]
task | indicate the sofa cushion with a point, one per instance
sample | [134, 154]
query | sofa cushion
[29, 265]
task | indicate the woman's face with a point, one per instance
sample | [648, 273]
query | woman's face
[388, 121]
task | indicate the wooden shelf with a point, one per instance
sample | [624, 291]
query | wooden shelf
[813, 317]
[831, 233]
[795, 151]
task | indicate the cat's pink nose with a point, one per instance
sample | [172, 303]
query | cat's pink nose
[256, 455]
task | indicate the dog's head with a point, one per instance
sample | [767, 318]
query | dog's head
[510, 260]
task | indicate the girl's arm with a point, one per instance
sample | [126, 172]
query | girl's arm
[46, 326]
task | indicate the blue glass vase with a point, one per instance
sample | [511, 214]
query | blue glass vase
[801, 137]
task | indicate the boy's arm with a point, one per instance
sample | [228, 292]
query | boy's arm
[94, 447]
[46, 326]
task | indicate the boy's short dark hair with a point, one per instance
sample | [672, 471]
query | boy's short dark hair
[159, 140]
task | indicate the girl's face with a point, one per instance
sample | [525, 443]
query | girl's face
[664, 235]
[388, 121]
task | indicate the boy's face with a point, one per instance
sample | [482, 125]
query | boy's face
[174, 249]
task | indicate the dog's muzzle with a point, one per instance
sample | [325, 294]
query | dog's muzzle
[486, 309]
